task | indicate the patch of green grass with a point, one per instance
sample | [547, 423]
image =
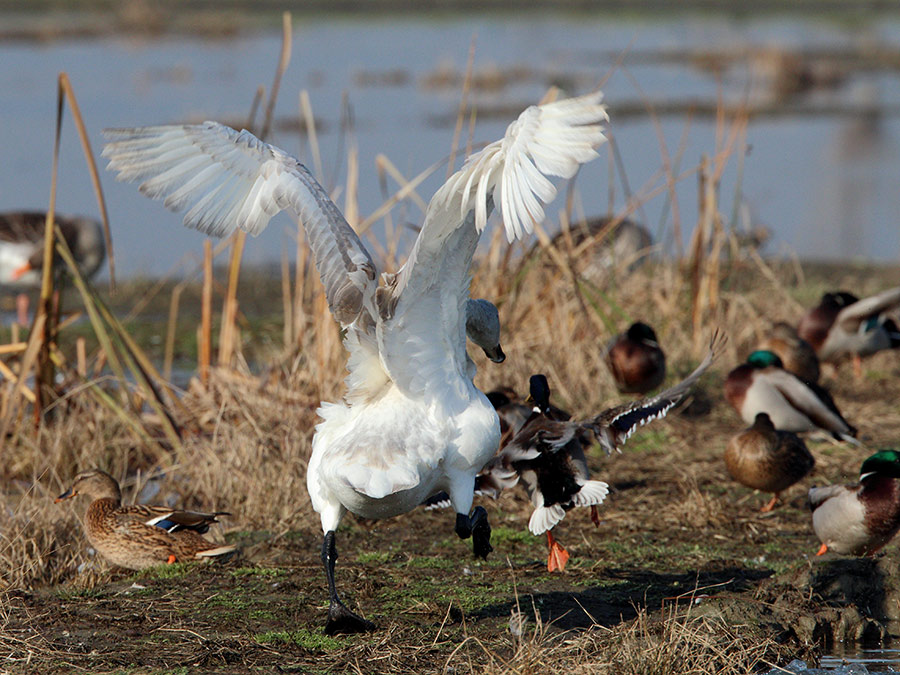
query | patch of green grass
[264, 572]
[432, 563]
[374, 557]
[646, 440]
[508, 535]
[173, 571]
[311, 640]
[229, 600]
[79, 593]
[262, 615]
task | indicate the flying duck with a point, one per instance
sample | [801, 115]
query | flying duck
[547, 455]
[412, 422]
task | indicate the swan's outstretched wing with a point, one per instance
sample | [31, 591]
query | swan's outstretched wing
[548, 140]
[233, 180]
[850, 318]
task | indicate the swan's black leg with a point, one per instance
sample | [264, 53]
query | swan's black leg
[340, 619]
[477, 527]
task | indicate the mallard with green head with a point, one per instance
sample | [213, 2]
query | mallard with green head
[636, 360]
[859, 519]
[766, 459]
[763, 385]
[141, 536]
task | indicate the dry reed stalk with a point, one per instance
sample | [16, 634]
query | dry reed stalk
[283, 60]
[311, 133]
[287, 302]
[171, 326]
[407, 189]
[13, 348]
[81, 356]
[229, 311]
[254, 106]
[351, 198]
[204, 344]
[463, 102]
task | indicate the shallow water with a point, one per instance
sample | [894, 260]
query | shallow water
[821, 176]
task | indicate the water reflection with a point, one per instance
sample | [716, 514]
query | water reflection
[820, 174]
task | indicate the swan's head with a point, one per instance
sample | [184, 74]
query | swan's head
[483, 328]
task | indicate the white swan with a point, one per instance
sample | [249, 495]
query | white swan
[412, 422]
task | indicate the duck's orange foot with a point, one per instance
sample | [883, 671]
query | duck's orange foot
[770, 505]
[171, 559]
[595, 516]
[558, 555]
[823, 549]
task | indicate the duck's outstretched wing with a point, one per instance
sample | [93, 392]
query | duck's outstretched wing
[233, 180]
[850, 318]
[553, 139]
[614, 426]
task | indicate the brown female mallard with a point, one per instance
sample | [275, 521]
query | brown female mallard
[766, 459]
[141, 536]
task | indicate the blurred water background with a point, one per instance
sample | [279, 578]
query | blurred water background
[818, 164]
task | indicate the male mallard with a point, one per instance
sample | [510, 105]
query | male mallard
[412, 422]
[548, 455]
[513, 413]
[763, 385]
[795, 353]
[859, 519]
[844, 326]
[766, 459]
[22, 250]
[636, 360]
[141, 536]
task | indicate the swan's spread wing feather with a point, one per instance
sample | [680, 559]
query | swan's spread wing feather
[850, 318]
[233, 180]
[548, 140]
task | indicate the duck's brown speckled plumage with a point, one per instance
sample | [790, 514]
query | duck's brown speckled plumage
[126, 535]
[797, 355]
[766, 459]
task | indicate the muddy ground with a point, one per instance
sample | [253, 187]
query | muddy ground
[674, 532]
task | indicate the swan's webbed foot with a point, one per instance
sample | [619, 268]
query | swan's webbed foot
[342, 620]
[477, 527]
